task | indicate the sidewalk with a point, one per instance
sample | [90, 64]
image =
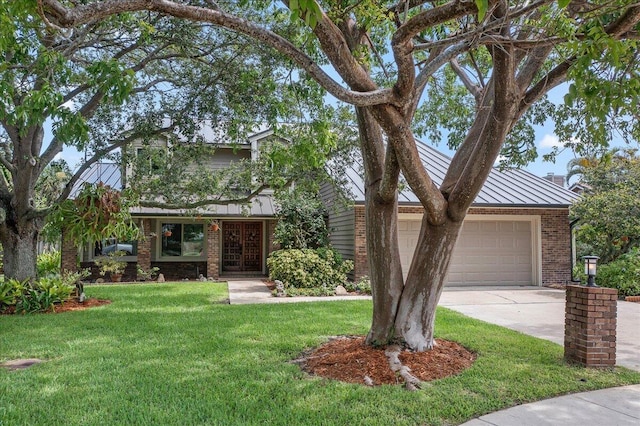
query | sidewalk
[534, 311]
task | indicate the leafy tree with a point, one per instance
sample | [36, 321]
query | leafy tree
[137, 77]
[480, 69]
[609, 210]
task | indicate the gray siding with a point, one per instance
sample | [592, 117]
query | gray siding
[341, 225]
[221, 159]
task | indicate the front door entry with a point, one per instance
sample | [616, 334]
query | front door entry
[242, 247]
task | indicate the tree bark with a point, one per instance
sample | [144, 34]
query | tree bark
[385, 270]
[19, 242]
[414, 323]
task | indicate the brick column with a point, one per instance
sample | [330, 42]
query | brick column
[68, 254]
[213, 253]
[590, 326]
[144, 245]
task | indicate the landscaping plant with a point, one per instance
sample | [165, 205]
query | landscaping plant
[307, 272]
[622, 274]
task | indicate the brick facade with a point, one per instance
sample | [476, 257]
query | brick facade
[144, 244]
[213, 253]
[68, 254]
[590, 326]
[554, 231]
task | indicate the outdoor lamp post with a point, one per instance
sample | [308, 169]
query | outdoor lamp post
[590, 266]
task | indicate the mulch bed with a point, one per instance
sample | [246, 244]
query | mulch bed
[349, 359]
[69, 305]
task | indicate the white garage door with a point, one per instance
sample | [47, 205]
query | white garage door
[491, 252]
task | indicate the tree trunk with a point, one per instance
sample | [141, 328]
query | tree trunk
[19, 243]
[414, 323]
[385, 270]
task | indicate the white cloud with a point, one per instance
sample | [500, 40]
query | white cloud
[550, 141]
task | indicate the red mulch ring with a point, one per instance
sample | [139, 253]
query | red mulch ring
[68, 305]
[348, 359]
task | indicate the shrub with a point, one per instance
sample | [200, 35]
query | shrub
[42, 295]
[622, 274]
[10, 290]
[301, 223]
[38, 296]
[362, 286]
[48, 263]
[318, 271]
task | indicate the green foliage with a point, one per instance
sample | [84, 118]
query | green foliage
[48, 263]
[111, 263]
[362, 286]
[307, 10]
[622, 274]
[146, 275]
[609, 211]
[10, 291]
[301, 222]
[97, 211]
[321, 270]
[39, 296]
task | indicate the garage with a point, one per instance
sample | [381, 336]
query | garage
[489, 252]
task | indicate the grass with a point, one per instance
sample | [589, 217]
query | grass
[169, 354]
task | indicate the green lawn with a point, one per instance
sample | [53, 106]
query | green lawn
[170, 354]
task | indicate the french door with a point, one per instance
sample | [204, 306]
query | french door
[242, 246]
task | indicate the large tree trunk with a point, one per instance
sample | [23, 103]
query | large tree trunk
[385, 270]
[414, 323]
[19, 243]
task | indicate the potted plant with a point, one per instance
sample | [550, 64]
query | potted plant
[112, 264]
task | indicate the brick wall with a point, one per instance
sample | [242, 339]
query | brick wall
[555, 239]
[590, 326]
[69, 254]
[213, 253]
[144, 244]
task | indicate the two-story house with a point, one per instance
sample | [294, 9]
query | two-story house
[220, 240]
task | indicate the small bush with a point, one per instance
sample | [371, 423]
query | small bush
[10, 291]
[622, 274]
[48, 263]
[42, 295]
[362, 286]
[38, 296]
[319, 271]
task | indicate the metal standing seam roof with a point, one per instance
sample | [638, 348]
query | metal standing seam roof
[510, 188]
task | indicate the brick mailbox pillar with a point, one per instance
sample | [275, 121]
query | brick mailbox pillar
[590, 326]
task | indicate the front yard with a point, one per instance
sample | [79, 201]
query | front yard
[172, 354]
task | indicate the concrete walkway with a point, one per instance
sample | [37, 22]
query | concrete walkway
[534, 311]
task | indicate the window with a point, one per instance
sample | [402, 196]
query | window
[150, 162]
[111, 245]
[182, 239]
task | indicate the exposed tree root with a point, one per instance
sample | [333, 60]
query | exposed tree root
[411, 382]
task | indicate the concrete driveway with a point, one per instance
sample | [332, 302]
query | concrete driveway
[539, 312]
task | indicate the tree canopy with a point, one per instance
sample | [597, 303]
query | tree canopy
[608, 213]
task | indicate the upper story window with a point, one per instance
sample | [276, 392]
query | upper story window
[182, 239]
[146, 154]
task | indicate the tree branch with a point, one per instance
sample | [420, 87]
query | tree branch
[208, 202]
[68, 17]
